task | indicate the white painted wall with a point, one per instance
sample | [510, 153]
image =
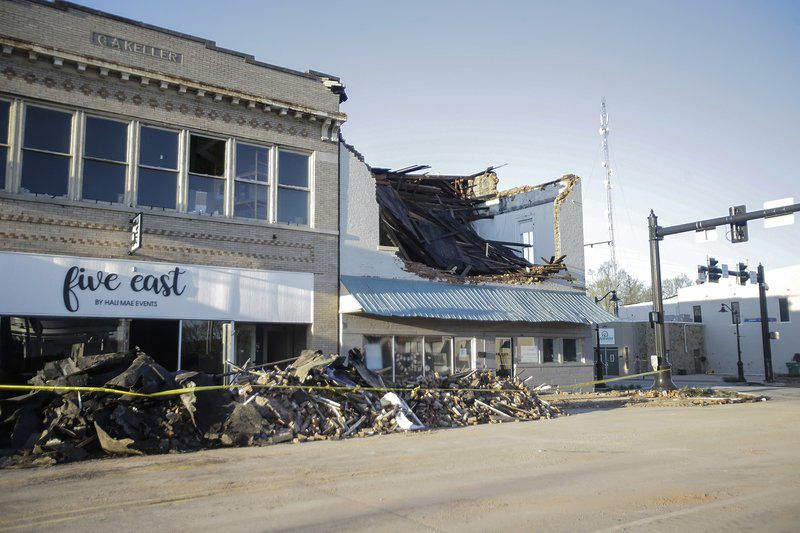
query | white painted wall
[359, 254]
[720, 332]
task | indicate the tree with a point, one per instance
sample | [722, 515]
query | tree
[629, 289]
[670, 286]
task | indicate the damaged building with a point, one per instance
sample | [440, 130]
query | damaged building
[233, 164]
[448, 273]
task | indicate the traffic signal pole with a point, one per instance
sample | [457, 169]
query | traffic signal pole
[663, 380]
[765, 340]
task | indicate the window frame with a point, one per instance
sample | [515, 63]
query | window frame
[271, 197]
[309, 189]
[180, 170]
[697, 312]
[226, 173]
[9, 146]
[74, 142]
[129, 141]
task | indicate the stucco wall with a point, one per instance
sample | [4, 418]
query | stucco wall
[720, 332]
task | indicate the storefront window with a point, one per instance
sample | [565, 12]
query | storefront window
[35, 341]
[46, 151]
[548, 350]
[378, 355]
[526, 350]
[570, 350]
[201, 346]
[408, 358]
[105, 160]
[158, 168]
[463, 355]
[438, 354]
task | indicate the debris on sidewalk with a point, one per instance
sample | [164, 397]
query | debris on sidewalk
[318, 397]
[685, 397]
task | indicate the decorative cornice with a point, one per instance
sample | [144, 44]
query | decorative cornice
[82, 63]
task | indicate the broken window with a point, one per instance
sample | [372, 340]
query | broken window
[251, 187]
[293, 188]
[408, 362]
[158, 168]
[502, 350]
[383, 235]
[201, 346]
[206, 175]
[438, 354]
[46, 150]
[378, 354]
[463, 355]
[526, 238]
[105, 158]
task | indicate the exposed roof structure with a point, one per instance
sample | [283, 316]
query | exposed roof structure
[491, 303]
[429, 219]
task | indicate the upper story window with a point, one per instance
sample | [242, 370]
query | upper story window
[46, 153]
[697, 311]
[206, 175]
[4, 113]
[526, 237]
[105, 160]
[82, 156]
[293, 188]
[251, 187]
[158, 168]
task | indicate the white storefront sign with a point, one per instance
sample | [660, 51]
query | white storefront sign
[51, 285]
[607, 336]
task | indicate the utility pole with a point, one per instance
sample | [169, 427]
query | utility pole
[609, 203]
[762, 301]
[663, 380]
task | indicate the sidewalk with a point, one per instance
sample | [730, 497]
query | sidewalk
[696, 380]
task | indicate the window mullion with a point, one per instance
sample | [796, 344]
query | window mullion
[74, 188]
[230, 172]
[272, 179]
[183, 172]
[16, 119]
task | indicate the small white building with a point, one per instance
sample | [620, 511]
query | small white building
[702, 303]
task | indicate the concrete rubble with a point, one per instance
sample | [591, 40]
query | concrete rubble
[318, 397]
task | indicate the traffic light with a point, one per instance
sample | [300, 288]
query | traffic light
[701, 273]
[739, 229]
[714, 272]
[742, 275]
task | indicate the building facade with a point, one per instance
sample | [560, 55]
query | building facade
[233, 164]
[411, 320]
[702, 303]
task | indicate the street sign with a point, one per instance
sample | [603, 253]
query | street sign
[758, 320]
[607, 336]
[136, 233]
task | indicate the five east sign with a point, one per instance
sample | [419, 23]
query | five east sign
[607, 336]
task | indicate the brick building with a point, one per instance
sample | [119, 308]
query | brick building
[233, 163]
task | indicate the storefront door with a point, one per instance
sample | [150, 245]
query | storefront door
[611, 360]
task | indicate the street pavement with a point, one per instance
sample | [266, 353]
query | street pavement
[715, 468]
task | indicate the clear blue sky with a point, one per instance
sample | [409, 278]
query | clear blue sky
[703, 98]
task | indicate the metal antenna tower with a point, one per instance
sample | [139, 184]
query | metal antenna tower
[610, 205]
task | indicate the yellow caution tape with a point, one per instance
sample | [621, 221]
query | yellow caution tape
[177, 392]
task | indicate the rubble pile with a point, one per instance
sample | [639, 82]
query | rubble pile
[318, 397]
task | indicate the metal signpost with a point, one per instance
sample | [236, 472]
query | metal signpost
[737, 221]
